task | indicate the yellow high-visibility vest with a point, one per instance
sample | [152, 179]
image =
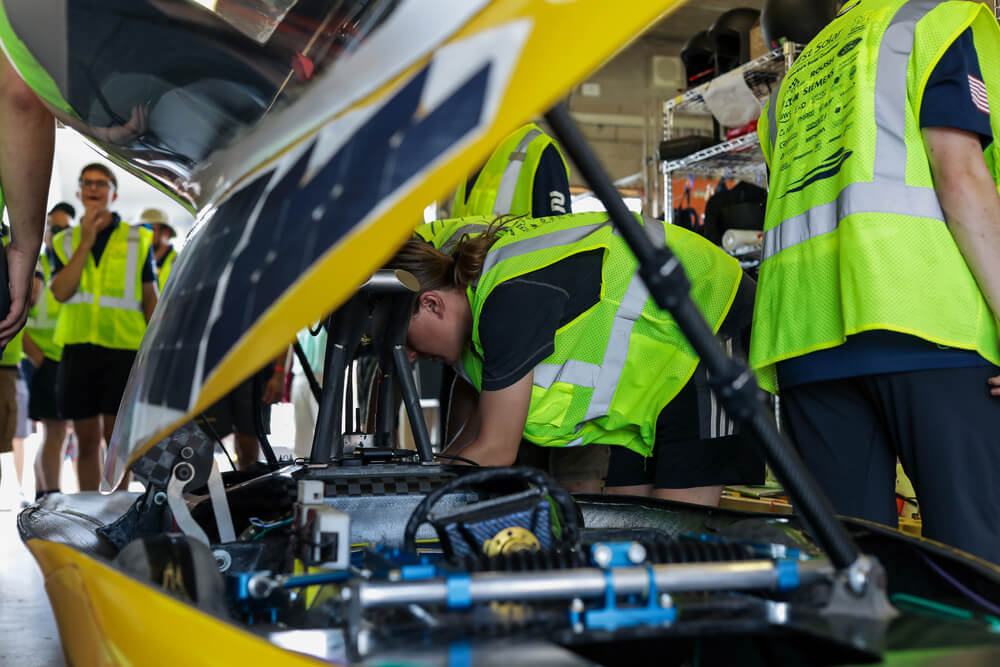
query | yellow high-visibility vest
[106, 309]
[855, 238]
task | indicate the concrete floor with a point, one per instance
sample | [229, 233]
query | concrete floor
[28, 634]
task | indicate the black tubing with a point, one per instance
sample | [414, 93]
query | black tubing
[571, 527]
[411, 400]
[317, 391]
[257, 394]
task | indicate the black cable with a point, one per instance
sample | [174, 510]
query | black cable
[218, 440]
[257, 396]
[307, 370]
[462, 459]
[733, 383]
[571, 527]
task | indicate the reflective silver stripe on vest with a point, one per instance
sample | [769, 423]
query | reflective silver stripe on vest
[888, 192]
[80, 297]
[602, 378]
[68, 245]
[548, 240]
[41, 320]
[131, 266]
[511, 172]
[579, 373]
[895, 199]
[616, 353]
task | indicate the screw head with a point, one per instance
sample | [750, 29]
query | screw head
[346, 594]
[187, 452]
[159, 497]
[666, 601]
[184, 472]
[636, 553]
[576, 605]
[259, 586]
[602, 555]
[222, 559]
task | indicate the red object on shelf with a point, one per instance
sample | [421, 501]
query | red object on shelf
[733, 132]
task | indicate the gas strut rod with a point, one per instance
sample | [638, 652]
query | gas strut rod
[732, 381]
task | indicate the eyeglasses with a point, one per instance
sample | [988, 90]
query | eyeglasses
[56, 229]
[98, 184]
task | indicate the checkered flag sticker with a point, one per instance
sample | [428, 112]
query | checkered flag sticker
[154, 467]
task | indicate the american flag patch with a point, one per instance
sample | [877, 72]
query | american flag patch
[979, 96]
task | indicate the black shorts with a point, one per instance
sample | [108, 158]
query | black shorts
[696, 445]
[42, 403]
[234, 412]
[91, 380]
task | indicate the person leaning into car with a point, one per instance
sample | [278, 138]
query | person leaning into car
[102, 273]
[549, 320]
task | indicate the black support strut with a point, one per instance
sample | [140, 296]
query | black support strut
[732, 380]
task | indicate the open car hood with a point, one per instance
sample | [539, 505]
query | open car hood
[308, 141]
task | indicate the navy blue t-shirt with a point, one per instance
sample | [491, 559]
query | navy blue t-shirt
[100, 243]
[953, 98]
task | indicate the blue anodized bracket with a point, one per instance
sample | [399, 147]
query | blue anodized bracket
[654, 613]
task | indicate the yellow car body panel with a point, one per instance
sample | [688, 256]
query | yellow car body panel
[108, 618]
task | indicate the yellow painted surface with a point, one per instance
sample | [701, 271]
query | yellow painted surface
[108, 618]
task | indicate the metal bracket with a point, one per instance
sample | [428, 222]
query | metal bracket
[180, 477]
[659, 610]
[859, 591]
[220, 505]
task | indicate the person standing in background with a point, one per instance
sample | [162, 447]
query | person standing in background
[164, 253]
[303, 402]
[102, 273]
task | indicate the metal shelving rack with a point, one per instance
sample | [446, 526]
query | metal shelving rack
[740, 156]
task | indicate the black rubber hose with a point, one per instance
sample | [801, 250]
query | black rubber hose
[571, 527]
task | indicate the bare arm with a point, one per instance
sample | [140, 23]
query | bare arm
[27, 140]
[971, 205]
[502, 415]
[65, 283]
[275, 387]
[31, 350]
[148, 299]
